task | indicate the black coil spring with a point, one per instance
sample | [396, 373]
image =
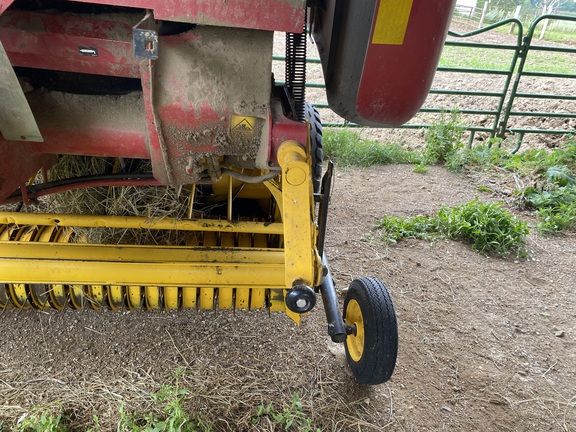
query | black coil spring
[296, 71]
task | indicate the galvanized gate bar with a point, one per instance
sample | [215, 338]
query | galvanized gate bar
[515, 95]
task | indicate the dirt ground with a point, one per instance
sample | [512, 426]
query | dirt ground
[485, 344]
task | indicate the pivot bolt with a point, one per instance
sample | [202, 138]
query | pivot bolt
[301, 298]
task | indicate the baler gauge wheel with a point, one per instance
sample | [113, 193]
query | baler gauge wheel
[372, 347]
[316, 144]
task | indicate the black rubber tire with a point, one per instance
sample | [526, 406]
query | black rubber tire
[316, 142]
[380, 347]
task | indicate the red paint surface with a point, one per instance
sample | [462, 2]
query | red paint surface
[396, 78]
[17, 165]
[52, 41]
[276, 15]
[5, 4]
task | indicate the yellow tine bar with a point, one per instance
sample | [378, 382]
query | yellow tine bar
[19, 296]
[96, 296]
[58, 292]
[212, 225]
[258, 295]
[189, 296]
[171, 297]
[58, 296]
[206, 298]
[134, 297]
[116, 295]
[17, 291]
[152, 296]
[277, 300]
[243, 294]
[39, 296]
[226, 294]
[77, 296]
[46, 233]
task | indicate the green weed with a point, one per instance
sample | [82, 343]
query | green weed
[292, 418]
[42, 420]
[443, 139]
[488, 227]
[170, 400]
[420, 169]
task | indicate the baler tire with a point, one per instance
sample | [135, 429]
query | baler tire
[371, 352]
[316, 143]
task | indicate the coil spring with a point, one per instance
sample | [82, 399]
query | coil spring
[296, 70]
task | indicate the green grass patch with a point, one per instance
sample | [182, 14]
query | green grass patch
[500, 59]
[347, 148]
[488, 227]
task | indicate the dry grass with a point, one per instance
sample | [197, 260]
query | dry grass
[220, 398]
[155, 202]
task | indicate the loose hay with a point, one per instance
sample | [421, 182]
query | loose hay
[154, 202]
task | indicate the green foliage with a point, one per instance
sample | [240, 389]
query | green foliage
[170, 399]
[488, 227]
[347, 148]
[292, 418]
[555, 202]
[557, 218]
[443, 139]
[42, 420]
[393, 229]
[420, 169]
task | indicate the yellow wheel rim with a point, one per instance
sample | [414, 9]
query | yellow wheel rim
[355, 343]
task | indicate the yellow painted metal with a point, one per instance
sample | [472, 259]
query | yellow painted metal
[95, 296]
[116, 295]
[391, 22]
[17, 291]
[58, 293]
[243, 294]
[299, 230]
[258, 297]
[152, 296]
[76, 295]
[213, 225]
[171, 297]
[355, 343]
[189, 297]
[206, 297]
[134, 296]
[226, 294]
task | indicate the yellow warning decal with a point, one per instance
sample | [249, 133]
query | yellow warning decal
[391, 22]
[242, 125]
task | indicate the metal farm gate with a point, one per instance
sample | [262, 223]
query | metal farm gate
[501, 110]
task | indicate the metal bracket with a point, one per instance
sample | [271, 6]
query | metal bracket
[145, 41]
